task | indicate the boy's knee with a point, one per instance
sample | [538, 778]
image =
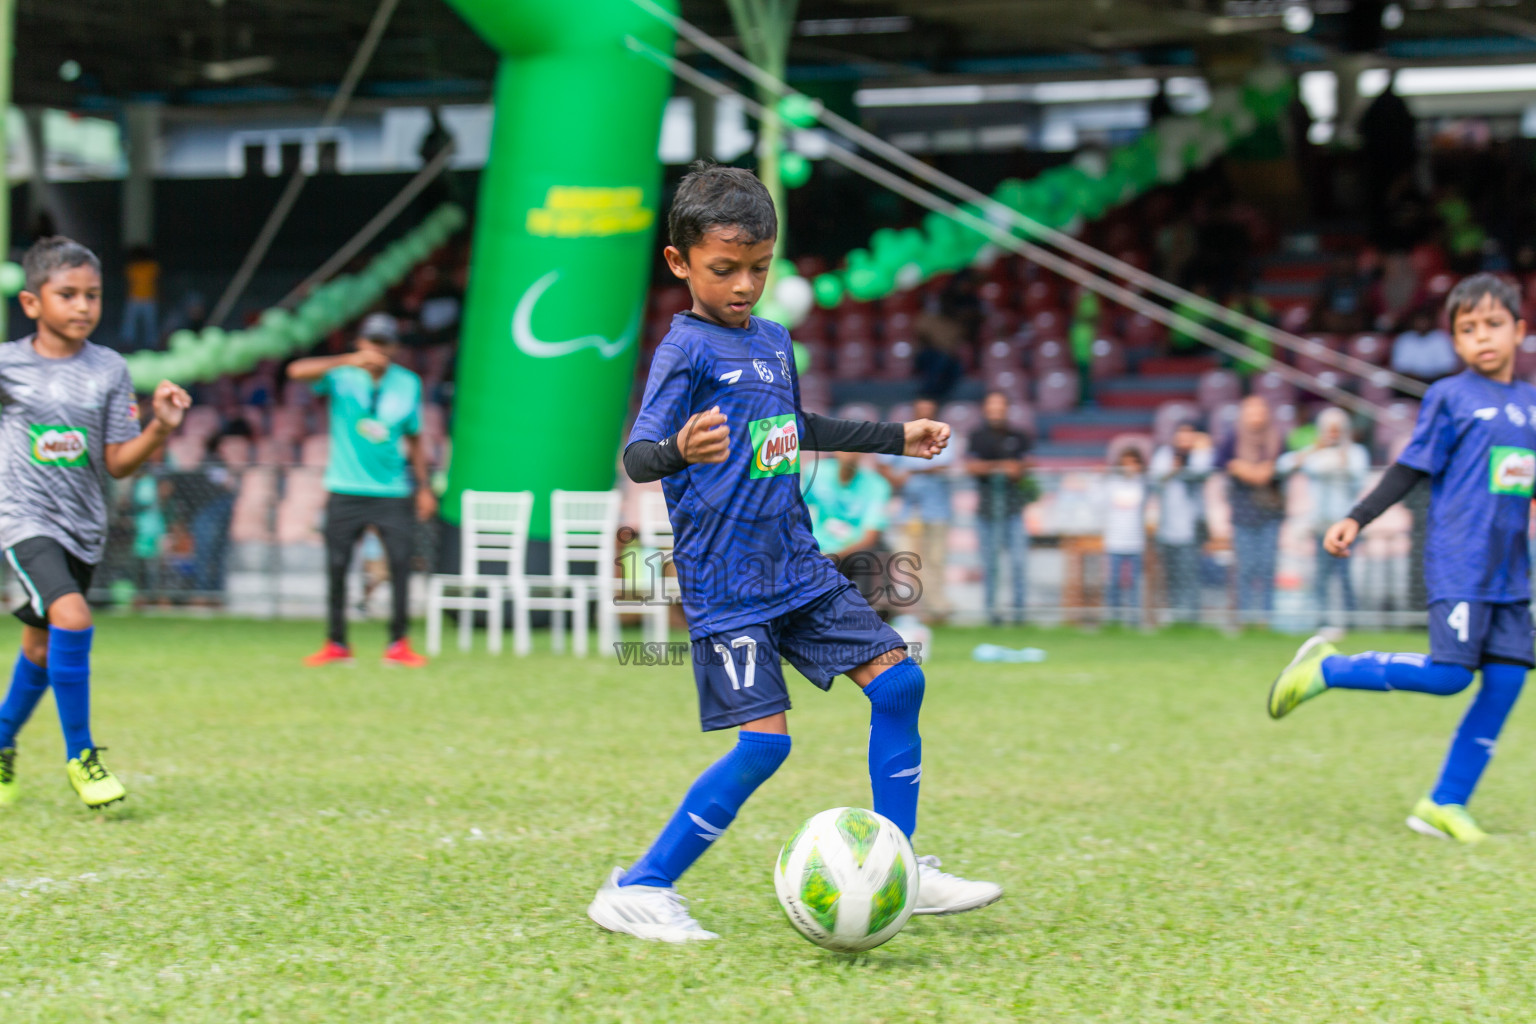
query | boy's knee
[898, 689]
[70, 612]
[1451, 679]
[761, 753]
[34, 646]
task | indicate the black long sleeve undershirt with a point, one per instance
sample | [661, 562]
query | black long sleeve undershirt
[645, 461]
[1393, 487]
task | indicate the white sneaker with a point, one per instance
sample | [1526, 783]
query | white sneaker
[942, 893]
[646, 912]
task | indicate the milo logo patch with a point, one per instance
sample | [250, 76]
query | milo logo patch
[775, 446]
[59, 446]
[1512, 471]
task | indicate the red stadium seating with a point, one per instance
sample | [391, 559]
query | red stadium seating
[1275, 388]
[1057, 391]
[899, 356]
[1218, 387]
[1013, 383]
[1370, 348]
[1106, 360]
[1050, 355]
[1168, 417]
[1000, 354]
[855, 360]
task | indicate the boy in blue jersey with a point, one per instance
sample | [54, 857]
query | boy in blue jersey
[1475, 441]
[722, 428]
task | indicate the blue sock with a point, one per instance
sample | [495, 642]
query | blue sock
[1378, 670]
[895, 748]
[28, 684]
[1472, 746]
[709, 808]
[69, 670]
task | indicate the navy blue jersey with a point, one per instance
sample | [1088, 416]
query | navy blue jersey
[742, 535]
[1477, 440]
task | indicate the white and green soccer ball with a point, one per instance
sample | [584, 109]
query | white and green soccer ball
[847, 879]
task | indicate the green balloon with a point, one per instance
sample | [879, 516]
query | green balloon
[799, 110]
[181, 341]
[828, 289]
[794, 169]
[868, 283]
[12, 278]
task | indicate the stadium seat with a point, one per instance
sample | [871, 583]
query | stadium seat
[1141, 331]
[1525, 356]
[315, 451]
[434, 421]
[962, 417]
[1000, 323]
[1106, 359]
[1021, 416]
[1168, 417]
[301, 508]
[815, 393]
[250, 521]
[1057, 391]
[1047, 324]
[855, 360]
[1050, 355]
[1286, 418]
[1378, 388]
[853, 325]
[288, 424]
[1013, 383]
[270, 451]
[201, 421]
[1397, 422]
[1222, 421]
[186, 452]
[1218, 387]
[1369, 348]
[901, 412]
[1039, 296]
[298, 394]
[862, 411]
[1310, 360]
[899, 357]
[1000, 354]
[493, 544]
[1273, 387]
[235, 451]
[814, 328]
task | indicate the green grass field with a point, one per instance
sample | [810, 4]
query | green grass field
[367, 845]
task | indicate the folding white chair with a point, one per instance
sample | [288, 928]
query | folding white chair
[583, 526]
[493, 545]
[660, 590]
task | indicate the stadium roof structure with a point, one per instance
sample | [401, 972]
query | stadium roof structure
[92, 53]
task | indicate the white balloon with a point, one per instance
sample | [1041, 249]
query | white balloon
[795, 296]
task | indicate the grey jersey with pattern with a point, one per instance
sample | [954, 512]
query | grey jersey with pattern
[56, 418]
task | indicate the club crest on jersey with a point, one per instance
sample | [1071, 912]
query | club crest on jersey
[763, 373]
[59, 445]
[1512, 471]
[1515, 413]
[775, 446]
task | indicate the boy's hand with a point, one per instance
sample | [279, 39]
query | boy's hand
[925, 438]
[705, 437]
[171, 404]
[374, 362]
[1340, 536]
[426, 504]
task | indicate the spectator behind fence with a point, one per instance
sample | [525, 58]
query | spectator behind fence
[937, 365]
[997, 459]
[1253, 491]
[141, 311]
[1335, 468]
[925, 493]
[1125, 534]
[375, 411]
[847, 501]
[1178, 473]
[1424, 350]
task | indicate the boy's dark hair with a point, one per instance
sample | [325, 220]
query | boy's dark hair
[713, 196]
[55, 253]
[1470, 291]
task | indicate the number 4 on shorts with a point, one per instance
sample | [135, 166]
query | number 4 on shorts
[1459, 619]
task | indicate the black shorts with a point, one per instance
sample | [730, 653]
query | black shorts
[47, 572]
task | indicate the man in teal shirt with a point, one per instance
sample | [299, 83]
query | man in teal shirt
[377, 475]
[848, 516]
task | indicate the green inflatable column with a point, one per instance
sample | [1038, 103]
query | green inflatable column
[562, 248]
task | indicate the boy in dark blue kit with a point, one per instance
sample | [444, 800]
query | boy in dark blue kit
[1475, 441]
[754, 584]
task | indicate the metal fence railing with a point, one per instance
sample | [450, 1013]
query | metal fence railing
[246, 541]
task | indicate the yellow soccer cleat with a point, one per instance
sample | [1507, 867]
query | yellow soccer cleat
[96, 786]
[7, 776]
[1445, 821]
[1302, 679]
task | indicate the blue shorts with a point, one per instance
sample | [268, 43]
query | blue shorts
[1468, 633]
[740, 673]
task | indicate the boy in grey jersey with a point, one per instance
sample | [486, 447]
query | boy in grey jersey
[68, 419]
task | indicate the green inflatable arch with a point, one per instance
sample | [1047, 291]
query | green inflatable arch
[562, 247]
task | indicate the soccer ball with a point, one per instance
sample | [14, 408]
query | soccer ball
[847, 880]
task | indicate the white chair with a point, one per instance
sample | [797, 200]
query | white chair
[583, 526]
[493, 545]
[656, 535]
